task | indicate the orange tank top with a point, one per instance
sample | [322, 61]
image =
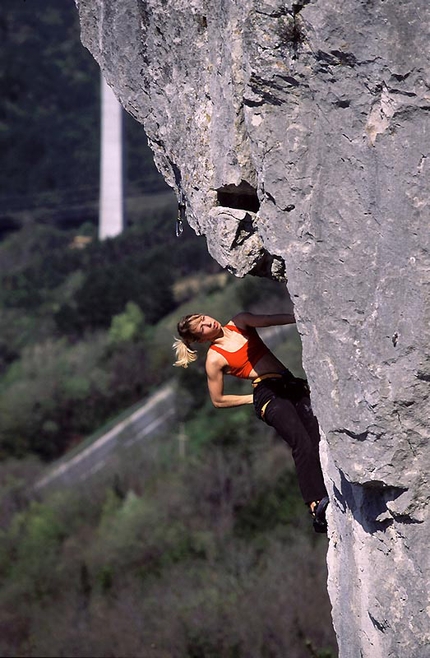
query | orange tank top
[243, 360]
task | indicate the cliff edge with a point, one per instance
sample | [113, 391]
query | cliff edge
[296, 137]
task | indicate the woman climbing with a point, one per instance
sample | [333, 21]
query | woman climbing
[280, 399]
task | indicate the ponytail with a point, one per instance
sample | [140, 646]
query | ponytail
[181, 346]
[184, 354]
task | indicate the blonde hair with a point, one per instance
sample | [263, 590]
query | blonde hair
[181, 345]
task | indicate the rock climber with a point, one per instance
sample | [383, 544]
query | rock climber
[280, 399]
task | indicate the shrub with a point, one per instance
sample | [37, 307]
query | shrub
[52, 385]
[127, 325]
[34, 539]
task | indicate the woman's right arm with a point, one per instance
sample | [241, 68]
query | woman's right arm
[245, 320]
[215, 378]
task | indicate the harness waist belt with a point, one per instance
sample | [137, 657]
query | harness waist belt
[268, 375]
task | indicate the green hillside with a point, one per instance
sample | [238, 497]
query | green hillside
[202, 550]
[77, 327]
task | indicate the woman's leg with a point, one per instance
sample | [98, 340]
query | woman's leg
[281, 414]
[306, 415]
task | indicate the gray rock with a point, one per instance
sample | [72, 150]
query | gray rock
[297, 136]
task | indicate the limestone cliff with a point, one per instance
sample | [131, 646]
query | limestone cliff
[296, 136]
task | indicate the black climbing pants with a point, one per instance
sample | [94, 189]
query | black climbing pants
[290, 413]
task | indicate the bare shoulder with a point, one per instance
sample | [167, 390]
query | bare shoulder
[215, 362]
[244, 320]
[241, 320]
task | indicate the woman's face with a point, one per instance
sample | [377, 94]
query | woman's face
[206, 328]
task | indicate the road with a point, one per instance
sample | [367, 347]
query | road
[150, 419]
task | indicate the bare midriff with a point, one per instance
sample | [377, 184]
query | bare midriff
[268, 364]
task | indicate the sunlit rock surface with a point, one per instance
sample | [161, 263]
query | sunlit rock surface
[297, 137]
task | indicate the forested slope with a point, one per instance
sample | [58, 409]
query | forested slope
[200, 548]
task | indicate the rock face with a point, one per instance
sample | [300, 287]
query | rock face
[296, 136]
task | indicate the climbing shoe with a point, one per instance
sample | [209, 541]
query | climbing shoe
[320, 521]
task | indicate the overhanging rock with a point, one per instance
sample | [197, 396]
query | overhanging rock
[314, 116]
[234, 242]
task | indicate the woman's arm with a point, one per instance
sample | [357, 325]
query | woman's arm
[244, 320]
[215, 378]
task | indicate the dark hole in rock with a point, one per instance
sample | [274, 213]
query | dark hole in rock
[242, 197]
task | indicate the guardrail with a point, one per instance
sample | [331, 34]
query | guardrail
[147, 421]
